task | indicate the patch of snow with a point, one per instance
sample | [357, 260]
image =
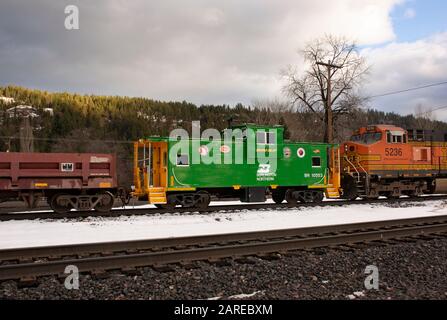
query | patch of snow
[49, 110]
[7, 100]
[22, 111]
[245, 295]
[29, 233]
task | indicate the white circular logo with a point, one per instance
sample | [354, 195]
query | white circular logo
[203, 150]
[300, 152]
[224, 149]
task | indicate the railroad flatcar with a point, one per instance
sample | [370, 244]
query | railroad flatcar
[68, 180]
[246, 162]
[386, 160]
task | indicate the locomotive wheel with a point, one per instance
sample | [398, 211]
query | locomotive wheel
[349, 187]
[60, 206]
[290, 198]
[415, 193]
[390, 195]
[278, 196]
[105, 203]
[203, 200]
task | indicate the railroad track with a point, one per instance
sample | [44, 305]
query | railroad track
[210, 209]
[26, 264]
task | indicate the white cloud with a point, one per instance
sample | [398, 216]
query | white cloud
[405, 65]
[410, 13]
[204, 51]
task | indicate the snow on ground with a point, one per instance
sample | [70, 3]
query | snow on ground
[28, 233]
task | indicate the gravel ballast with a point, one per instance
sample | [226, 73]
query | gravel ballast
[407, 270]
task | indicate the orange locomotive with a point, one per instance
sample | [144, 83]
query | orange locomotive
[385, 160]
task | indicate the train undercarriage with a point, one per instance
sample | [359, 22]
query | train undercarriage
[200, 199]
[373, 186]
[63, 201]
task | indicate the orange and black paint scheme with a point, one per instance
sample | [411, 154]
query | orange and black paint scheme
[385, 160]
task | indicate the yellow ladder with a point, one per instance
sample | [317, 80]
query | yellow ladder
[157, 195]
[332, 192]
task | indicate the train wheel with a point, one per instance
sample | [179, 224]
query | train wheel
[415, 193]
[170, 205]
[105, 203]
[278, 196]
[318, 196]
[290, 197]
[203, 200]
[60, 205]
[349, 187]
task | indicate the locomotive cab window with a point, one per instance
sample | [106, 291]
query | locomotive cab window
[316, 162]
[395, 137]
[367, 138]
[182, 160]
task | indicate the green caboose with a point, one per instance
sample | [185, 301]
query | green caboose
[246, 161]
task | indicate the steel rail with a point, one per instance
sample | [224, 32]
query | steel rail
[235, 207]
[215, 247]
[152, 244]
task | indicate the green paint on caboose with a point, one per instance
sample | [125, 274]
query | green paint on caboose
[242, 157]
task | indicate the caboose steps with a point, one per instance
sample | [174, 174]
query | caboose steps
[157, 195]
[332, 193]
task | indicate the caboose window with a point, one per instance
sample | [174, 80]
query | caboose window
[316, 162]
[260, 137]
[263, 137]
[182, 160]
[271, 138]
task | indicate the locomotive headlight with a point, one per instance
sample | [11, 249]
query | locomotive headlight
[346, 148]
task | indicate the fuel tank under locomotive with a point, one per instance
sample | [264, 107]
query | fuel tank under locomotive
[372, 187]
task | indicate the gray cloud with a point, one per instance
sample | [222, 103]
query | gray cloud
[204, 51]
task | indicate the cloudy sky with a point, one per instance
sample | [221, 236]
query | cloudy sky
[214, 51]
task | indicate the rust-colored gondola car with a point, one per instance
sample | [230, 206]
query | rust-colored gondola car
[80, 181]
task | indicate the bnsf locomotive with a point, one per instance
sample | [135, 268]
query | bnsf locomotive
[385, 160]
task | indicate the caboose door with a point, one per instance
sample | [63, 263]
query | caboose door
[159, 170]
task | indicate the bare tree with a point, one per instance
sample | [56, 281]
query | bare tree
[424, 117]
[335, 69]
[270, 111]
[26, 136]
